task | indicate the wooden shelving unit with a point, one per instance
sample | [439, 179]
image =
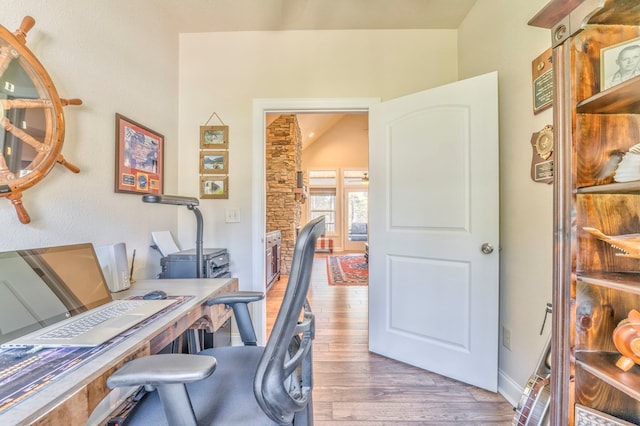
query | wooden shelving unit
[596, 284]
[615, 100]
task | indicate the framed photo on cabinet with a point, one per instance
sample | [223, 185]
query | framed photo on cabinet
[214, 137]
[214, 162]
[139, 158]
[214, 187]
[619, 63]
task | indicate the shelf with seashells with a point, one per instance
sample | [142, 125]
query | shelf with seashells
[619, 172]
[609, 141]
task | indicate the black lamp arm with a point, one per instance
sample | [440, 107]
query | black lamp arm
[191, 204]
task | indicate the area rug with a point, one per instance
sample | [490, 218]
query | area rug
[350, 269]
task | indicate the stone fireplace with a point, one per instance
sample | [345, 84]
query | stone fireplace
[283, 159]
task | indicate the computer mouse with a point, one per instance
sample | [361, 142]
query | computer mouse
[155, 295]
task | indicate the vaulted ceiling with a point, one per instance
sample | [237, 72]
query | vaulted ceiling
[312, 125]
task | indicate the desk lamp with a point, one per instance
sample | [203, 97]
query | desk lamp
[191, 204]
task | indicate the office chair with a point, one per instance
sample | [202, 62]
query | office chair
[250, 385]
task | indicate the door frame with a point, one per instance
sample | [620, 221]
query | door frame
[258, 195]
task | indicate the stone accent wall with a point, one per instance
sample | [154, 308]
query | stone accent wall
[283, 158]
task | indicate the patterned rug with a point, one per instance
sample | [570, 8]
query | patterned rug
[350, 269]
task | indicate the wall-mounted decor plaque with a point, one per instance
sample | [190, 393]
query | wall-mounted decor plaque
[542, 73]
[542, 157]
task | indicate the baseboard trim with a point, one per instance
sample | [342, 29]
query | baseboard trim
[508, 388]
[236, 340]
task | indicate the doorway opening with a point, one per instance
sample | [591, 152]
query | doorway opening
[261, 109]
[317, 166]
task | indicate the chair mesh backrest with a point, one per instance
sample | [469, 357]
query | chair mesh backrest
[283, 382]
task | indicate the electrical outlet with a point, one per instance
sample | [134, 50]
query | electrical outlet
[506, 338]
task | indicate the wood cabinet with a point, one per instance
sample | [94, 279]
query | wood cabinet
[273, 245]
[596, 278]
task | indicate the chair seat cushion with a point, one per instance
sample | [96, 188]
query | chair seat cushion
[224, 398]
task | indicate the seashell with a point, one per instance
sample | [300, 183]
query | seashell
[635, 149]
[629, 167]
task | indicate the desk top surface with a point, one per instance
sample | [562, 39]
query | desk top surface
[70, 382]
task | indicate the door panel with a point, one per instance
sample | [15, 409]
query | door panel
[423, 321]
[433, 202]
[418, 183]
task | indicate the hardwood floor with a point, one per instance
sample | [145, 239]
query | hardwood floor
[353, 387]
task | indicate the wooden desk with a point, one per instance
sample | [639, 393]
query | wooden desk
[71, 398]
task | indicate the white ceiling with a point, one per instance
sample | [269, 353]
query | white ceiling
[279, 15]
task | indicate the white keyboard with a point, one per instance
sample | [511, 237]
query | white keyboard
[81, 326]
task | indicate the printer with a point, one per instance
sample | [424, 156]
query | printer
[182, 264]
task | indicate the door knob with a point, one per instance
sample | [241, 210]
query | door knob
[487, 248]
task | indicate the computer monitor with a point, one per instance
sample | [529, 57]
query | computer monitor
[39, 287]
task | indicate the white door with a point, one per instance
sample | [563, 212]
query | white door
[433, 204]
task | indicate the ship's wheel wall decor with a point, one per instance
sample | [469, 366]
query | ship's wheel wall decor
[31, 118]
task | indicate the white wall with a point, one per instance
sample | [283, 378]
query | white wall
[495, 36]
[225, 72]
[117, 56]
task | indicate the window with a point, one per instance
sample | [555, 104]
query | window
[355, 177]
[341, 212]
[356, 199]
[322, 202]
[322, 197]
[323, 178]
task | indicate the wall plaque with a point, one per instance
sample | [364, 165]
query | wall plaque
[542, 157]
[542, 73]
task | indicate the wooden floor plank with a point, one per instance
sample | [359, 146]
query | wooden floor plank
[354, 387]
[426, 412]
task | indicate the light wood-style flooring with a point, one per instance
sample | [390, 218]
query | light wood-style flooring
[353, 387]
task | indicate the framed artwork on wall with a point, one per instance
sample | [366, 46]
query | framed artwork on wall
[214, 137]
[214, 187]
[139, 158]
[214, 162]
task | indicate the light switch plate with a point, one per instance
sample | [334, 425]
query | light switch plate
[232, 215]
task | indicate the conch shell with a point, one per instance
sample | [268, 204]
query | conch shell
[629, 166]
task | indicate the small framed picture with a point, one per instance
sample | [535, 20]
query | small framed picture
[214, 187]
[214, 162]
[139, 158]
[214, 137]
[619, 63]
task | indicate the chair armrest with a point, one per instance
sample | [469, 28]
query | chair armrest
[168, 373]
[236, 297]
[156, 370]
[239, 300]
